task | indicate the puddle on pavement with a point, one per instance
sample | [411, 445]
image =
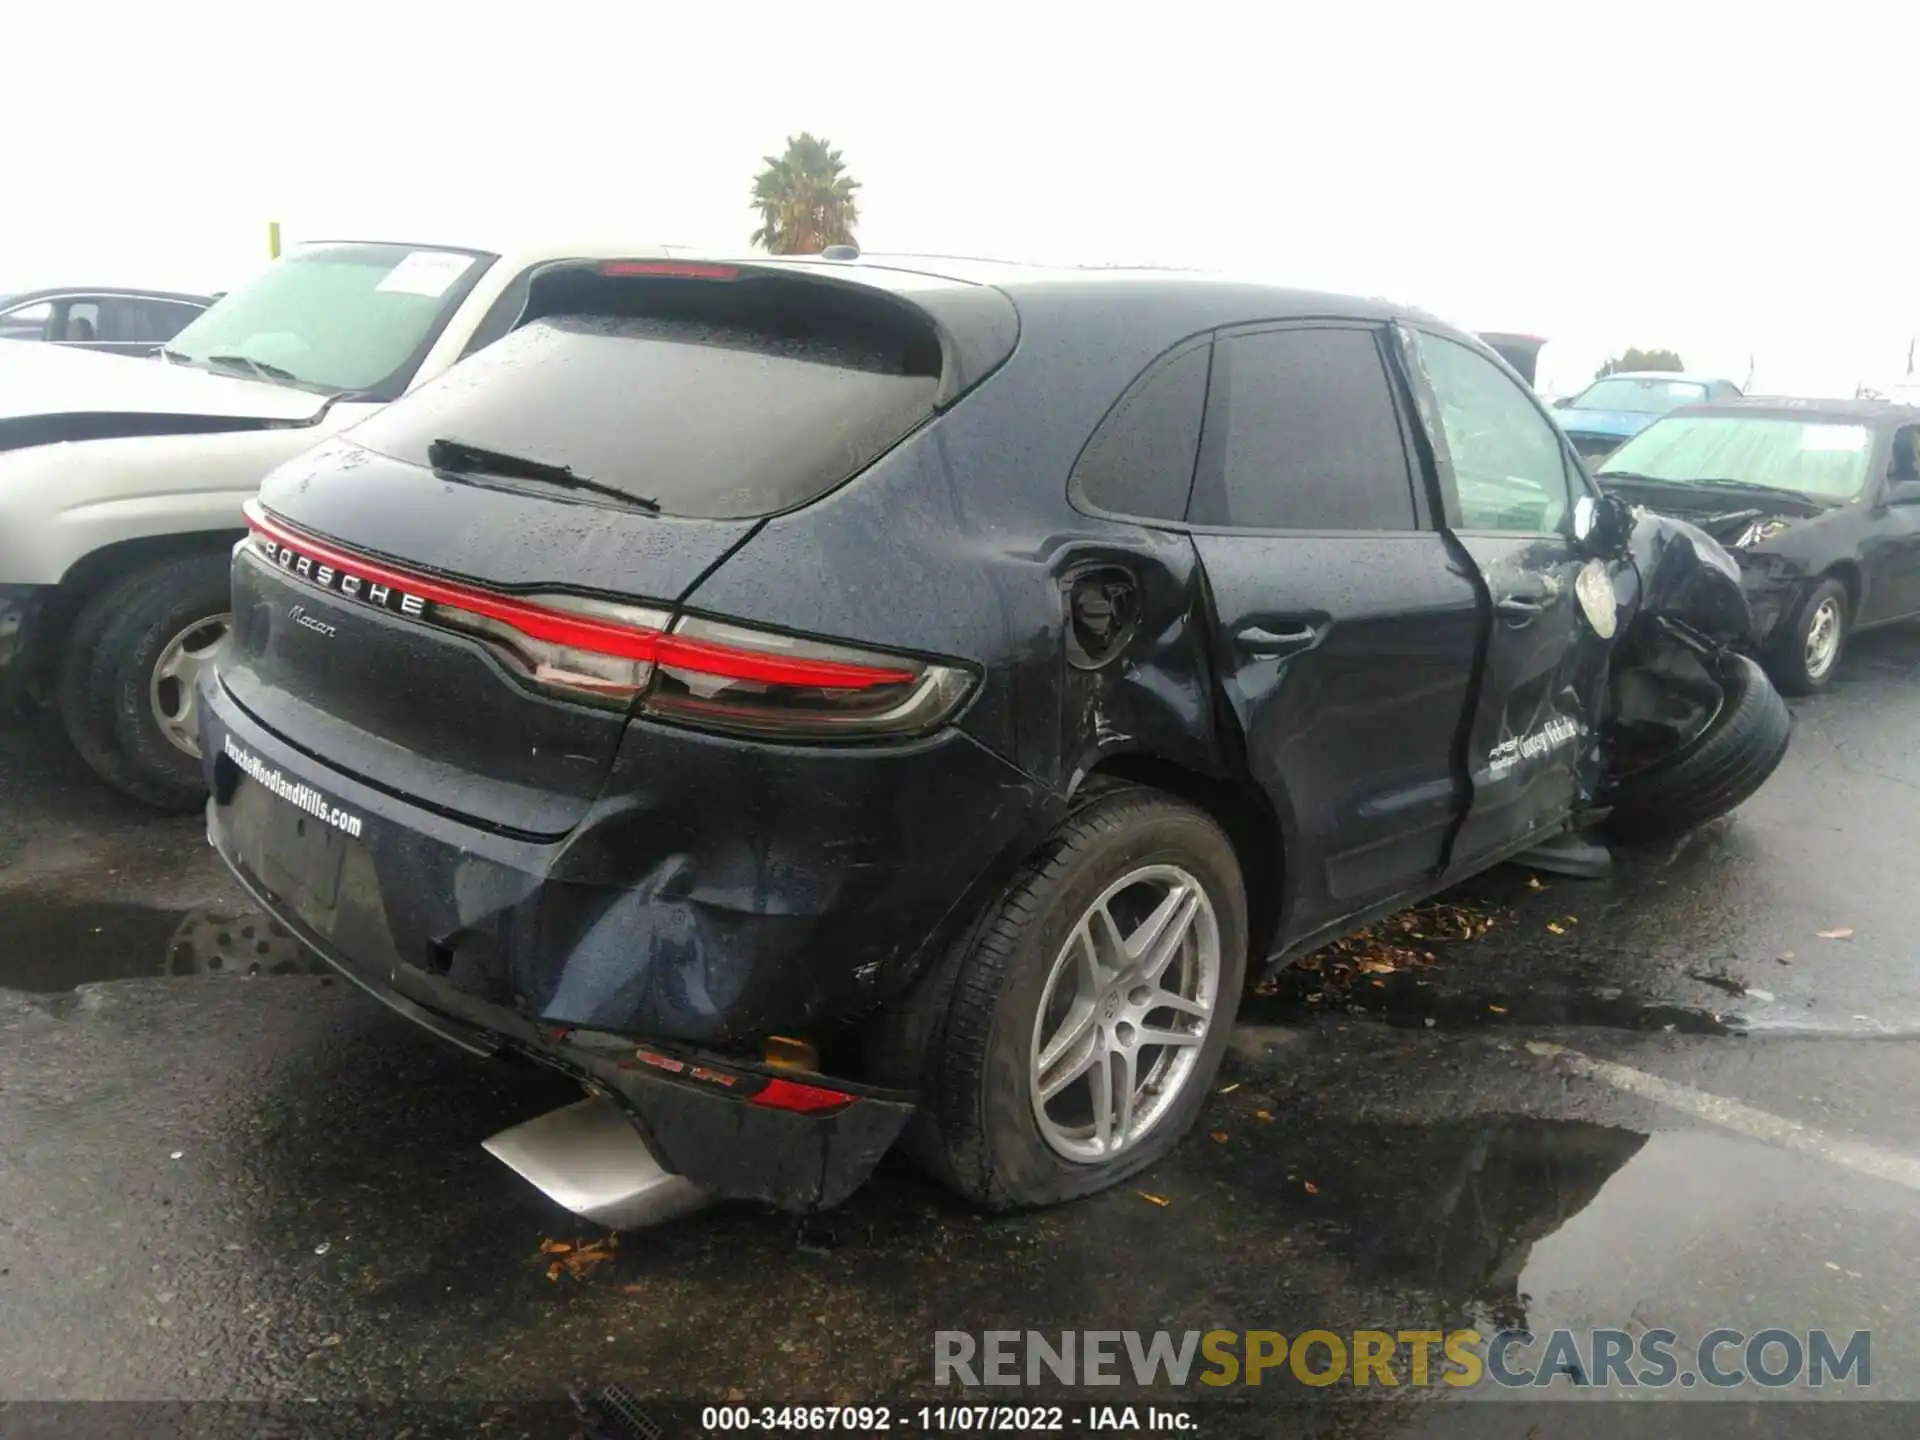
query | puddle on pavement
[50, 944]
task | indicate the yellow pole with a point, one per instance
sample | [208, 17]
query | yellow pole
[273, 239]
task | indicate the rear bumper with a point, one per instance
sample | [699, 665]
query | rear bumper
[696, 1112]
[646, 950]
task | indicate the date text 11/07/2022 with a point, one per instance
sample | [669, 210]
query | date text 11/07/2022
[944, 1419]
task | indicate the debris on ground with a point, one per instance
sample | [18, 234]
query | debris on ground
[1159, 1200]
[1719, 980]
[578, 1258]
[1845, 932]
[1398, 943]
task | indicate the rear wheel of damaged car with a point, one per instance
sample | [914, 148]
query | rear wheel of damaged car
[1089, 1006]
[1808, 646]
[127, 687]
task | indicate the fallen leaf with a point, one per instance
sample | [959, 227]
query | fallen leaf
[1159, 1200]
[578, 1259]
[1218, 1137]
[631, 1289]
[1845, 932]
[1786, 959]
[1498, 1009]
[1533, 883]
[1229, 1089]
[1312, 1189]
[1555, 928]
[1263, 1115]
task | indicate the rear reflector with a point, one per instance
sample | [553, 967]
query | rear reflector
[801, 1099]
[706, 673]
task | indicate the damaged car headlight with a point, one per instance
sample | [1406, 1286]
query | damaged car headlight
[1758, 531]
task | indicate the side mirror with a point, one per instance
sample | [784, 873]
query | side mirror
[1565, 402]
[1903, 492]
[1603, 527]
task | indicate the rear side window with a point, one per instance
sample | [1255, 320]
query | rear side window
[1302, 434]
[714, 400]
[1140, 460]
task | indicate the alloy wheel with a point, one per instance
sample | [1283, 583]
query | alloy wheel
[1124, 1011]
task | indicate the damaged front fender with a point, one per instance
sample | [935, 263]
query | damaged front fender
[1678, 572]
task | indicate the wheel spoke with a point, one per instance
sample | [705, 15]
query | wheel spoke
[1079, 1019]
[1103, 1101]
[1157, 939]
[1073, 1066]
[1107, 937]
[1123, 1101]
[1167, 1000]
[1153, 1035]
[1091, 979]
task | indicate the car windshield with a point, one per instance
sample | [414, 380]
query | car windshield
[1814, 457]
[356, 317]
[1640, 394]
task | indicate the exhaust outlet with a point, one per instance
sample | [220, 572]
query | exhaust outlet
[588, 1158]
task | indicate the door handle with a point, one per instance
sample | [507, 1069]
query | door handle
[1258, 641]
[1519, 607]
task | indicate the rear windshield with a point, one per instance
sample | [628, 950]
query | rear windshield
[1816, 457]
[714, 401]
[1641, 396]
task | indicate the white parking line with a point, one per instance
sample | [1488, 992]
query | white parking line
[1742, 1119]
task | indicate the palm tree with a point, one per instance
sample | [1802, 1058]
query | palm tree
[805, 199]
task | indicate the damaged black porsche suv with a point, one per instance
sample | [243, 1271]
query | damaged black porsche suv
[810, 701]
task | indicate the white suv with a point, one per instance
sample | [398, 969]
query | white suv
[121, 480]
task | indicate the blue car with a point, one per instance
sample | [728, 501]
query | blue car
[1617, 407]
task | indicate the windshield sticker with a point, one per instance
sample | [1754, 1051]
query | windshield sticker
[1844, 439]
[1509, 753]
[426, 272]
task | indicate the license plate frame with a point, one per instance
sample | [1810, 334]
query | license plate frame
[299, 857]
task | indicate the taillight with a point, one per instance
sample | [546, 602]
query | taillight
[729, 677]
[701, 672]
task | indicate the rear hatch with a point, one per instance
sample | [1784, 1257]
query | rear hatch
[444, 601]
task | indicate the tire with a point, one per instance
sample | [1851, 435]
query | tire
[107, 680]
[1794, 671]
[1716, 771]
[977, 1130]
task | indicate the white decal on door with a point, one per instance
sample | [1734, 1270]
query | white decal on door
[1551, 736]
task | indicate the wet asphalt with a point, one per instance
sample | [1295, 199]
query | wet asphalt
[1658, 1100]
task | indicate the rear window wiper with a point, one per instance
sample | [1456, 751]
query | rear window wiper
[460, 457]
[258, 367]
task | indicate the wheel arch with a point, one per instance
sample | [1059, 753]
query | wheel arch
[1850, 575]
[1240, 810]
[92, 572]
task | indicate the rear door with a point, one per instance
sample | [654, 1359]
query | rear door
[1508, 484]
[1344, 629]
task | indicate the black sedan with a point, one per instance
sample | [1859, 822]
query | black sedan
[1818, 499]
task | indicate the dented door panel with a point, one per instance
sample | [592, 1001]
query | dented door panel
[1533, 752]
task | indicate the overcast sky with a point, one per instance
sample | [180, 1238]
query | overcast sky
[1716, 178]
